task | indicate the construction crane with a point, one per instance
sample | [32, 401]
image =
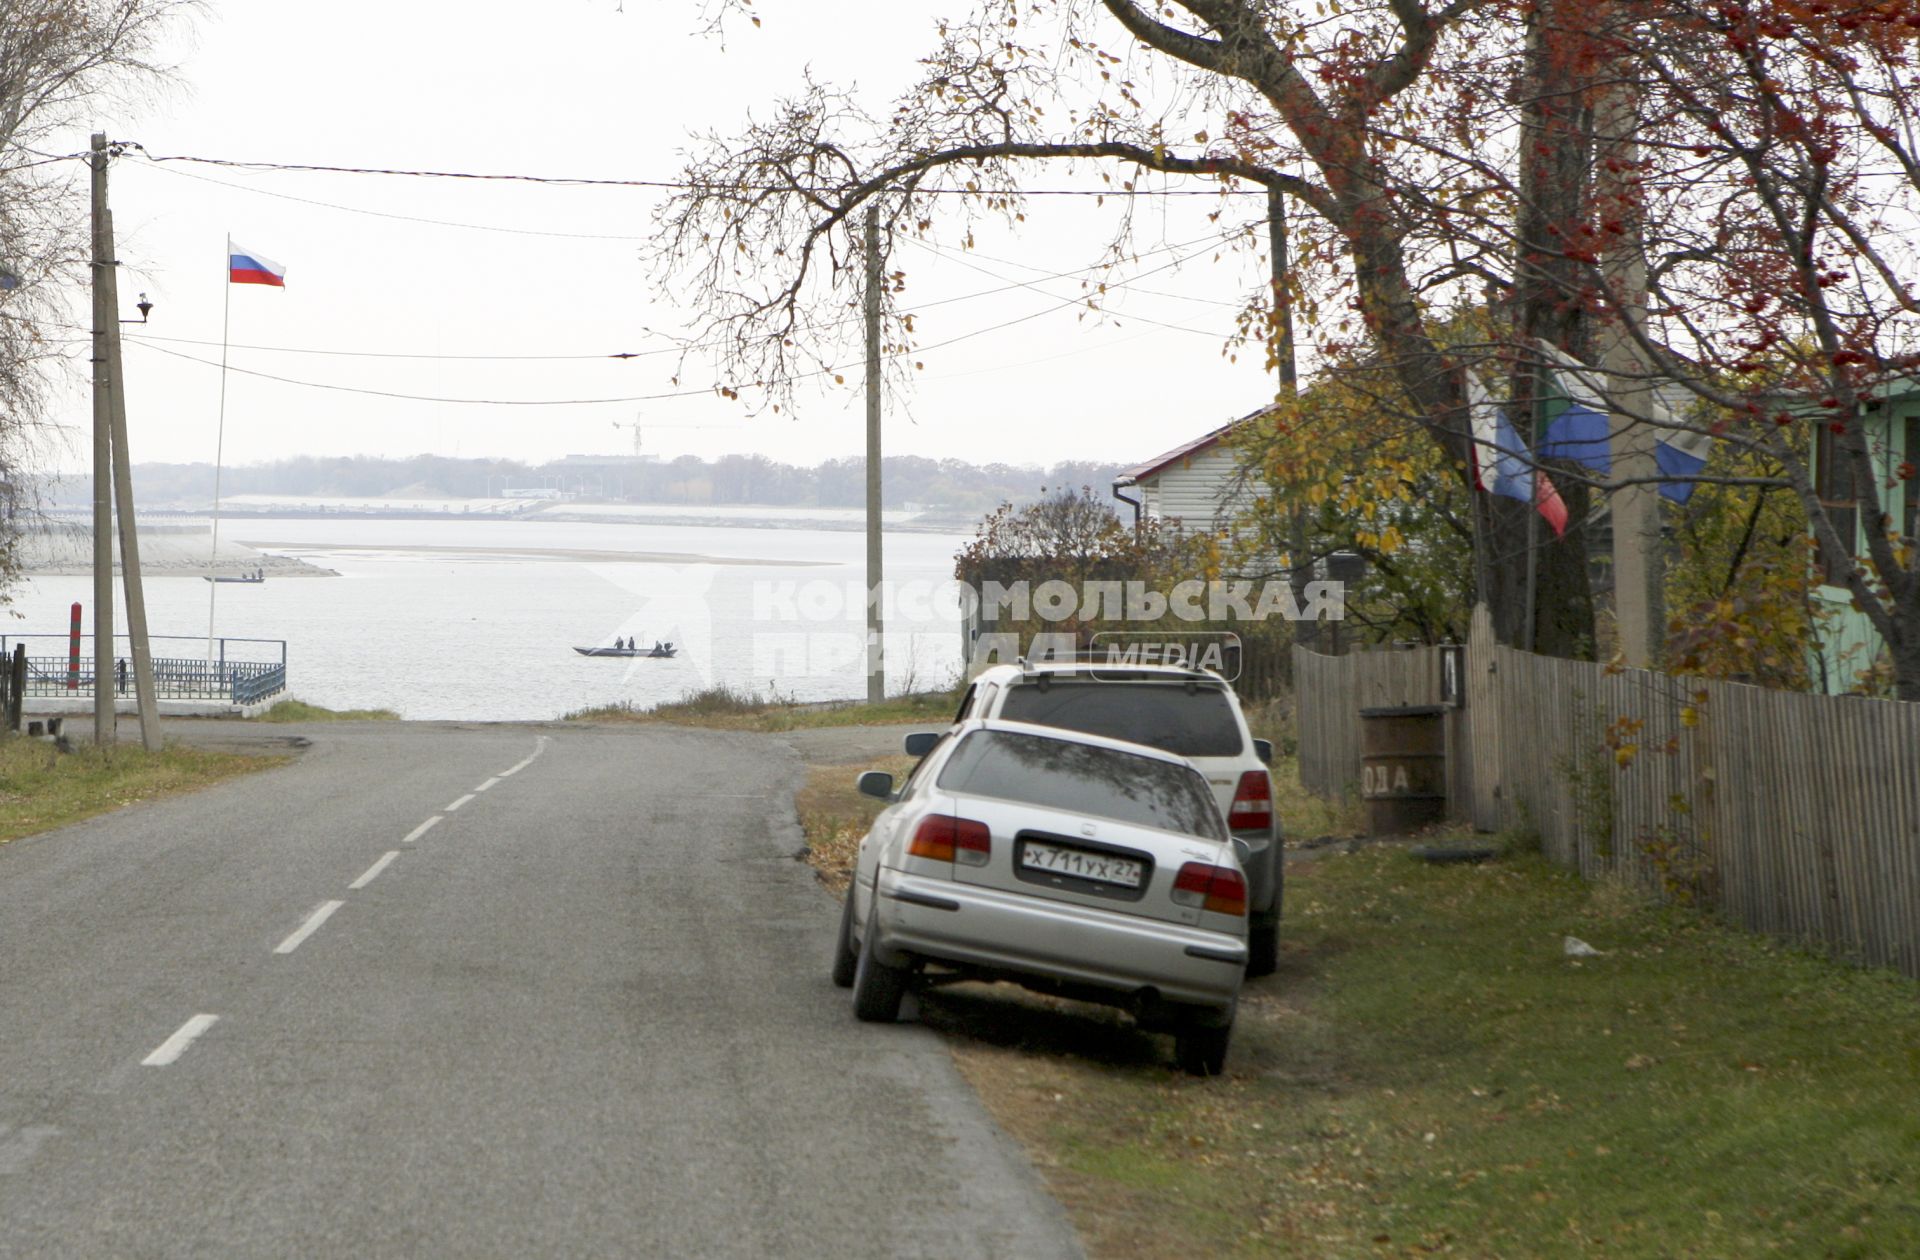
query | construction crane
[635, 426]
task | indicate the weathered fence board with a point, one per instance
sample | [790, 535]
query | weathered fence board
[1795, 815]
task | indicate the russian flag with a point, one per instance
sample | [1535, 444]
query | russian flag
[1501, 464]
[246, 267]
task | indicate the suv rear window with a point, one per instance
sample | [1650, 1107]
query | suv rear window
[1159, 715]
[1081, 779]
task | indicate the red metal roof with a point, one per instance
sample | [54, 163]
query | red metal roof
[1184, 451]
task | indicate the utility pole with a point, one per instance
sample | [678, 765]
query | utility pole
[1307, 633]
[1639, 574]
[138, 647]
[876, 655]
[104, 316]
[113, 480]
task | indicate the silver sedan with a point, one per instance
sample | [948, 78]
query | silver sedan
[1071, 864]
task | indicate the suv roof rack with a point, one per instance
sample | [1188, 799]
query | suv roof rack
[1139, 669]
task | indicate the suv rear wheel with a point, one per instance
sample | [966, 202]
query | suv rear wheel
[1263, 945]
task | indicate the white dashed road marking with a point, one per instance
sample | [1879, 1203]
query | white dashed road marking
[421, 830]
[176, 1045]
[489, 783]
[308, 928]
[374, 871]
[539, 746]
[457, 804]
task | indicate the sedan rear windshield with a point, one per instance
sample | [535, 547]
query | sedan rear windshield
[1160, 715]
[1083, 779]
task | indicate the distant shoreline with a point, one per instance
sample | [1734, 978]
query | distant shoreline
[544, 553]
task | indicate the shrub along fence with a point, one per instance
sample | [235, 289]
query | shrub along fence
[1796, 815]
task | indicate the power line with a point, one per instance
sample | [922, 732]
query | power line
[404, 218]
[594, 402]
[689, 347]
[477, 402]
[583, 181]
[390, 354]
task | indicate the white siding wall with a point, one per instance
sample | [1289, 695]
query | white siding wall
[1195, 489]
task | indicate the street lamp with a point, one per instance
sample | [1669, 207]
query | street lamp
[143, 306]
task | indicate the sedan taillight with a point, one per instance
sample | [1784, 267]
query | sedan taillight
[1252, 808]
[1218, 888]
[947, 839]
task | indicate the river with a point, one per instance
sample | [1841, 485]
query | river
[477, 619]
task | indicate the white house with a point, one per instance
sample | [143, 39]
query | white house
[1198, 482]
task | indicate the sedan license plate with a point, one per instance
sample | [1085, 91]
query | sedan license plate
[1102, 867]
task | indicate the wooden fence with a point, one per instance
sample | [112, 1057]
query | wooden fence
[1796, 815]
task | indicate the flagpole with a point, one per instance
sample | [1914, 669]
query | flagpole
[219, 444]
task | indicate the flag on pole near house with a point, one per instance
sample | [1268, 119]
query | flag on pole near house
[1681, 454]
[246, 267]
[1577, 427]
[1574, 411]
[1500, 461]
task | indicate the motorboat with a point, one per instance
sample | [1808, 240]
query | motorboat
[663, 651]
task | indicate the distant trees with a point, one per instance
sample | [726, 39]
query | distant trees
[948, 485]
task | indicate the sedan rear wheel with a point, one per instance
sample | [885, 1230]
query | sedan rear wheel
[1202, 1051]
[845, 961]
[877, 988]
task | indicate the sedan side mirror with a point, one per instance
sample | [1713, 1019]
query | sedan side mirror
[920, 743]
[1263, 749]
[877, 784]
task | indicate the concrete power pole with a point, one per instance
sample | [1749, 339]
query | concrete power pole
[138, 645]
[1639, 570]
[113, 486]
[876, 655]
[104, 316]
[1306, 633]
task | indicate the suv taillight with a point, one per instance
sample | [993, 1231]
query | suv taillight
[1252, 808]
[947, 839]
[1218, 888]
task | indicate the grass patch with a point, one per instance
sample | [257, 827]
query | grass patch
[834, 816]
[1429, 1072]
[301, 711]
[41, 789]
[1305, 817]
[729, 708]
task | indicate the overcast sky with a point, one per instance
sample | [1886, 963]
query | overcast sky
[383, 266]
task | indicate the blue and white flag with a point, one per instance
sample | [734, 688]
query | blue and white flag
[1577, 427]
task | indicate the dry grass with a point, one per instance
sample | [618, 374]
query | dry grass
[42, 789]
[729, 708]
[834, 816]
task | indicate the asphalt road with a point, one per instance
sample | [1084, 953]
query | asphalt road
[585, 1013]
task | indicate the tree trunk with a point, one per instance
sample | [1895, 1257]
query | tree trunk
[1555, 167]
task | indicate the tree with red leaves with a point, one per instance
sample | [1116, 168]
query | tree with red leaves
[1491, 165]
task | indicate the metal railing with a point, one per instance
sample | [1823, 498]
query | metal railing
[241, 671]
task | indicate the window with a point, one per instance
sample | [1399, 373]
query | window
[916, 778]
[1167, 716]
[1834, 485]
[1083, 779]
